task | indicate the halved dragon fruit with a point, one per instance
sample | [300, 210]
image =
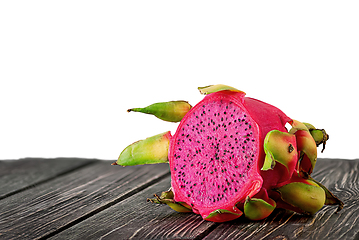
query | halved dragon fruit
[232, 155]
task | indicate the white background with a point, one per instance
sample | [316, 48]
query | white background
[69, 70]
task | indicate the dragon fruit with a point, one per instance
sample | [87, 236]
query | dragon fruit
[231, 156]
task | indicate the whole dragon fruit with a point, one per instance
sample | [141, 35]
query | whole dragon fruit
[232, 155]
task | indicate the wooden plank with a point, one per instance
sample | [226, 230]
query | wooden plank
[102, 201]
[18, 175]
[134, 218]
[66, 200]
[341, 177]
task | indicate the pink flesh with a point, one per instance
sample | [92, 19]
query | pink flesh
[214, 154]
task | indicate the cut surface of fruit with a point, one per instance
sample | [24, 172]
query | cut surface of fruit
[213, 155]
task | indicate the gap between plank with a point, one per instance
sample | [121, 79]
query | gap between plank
[208, 231]
[104, 207]
[46, 180]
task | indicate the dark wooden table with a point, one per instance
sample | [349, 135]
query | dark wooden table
[90, 199]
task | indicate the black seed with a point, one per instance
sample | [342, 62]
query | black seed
[290, 148]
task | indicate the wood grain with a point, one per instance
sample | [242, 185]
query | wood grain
[134, 218]
[52, 206]
[18, 175]
[341, 177]
[100, 201]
